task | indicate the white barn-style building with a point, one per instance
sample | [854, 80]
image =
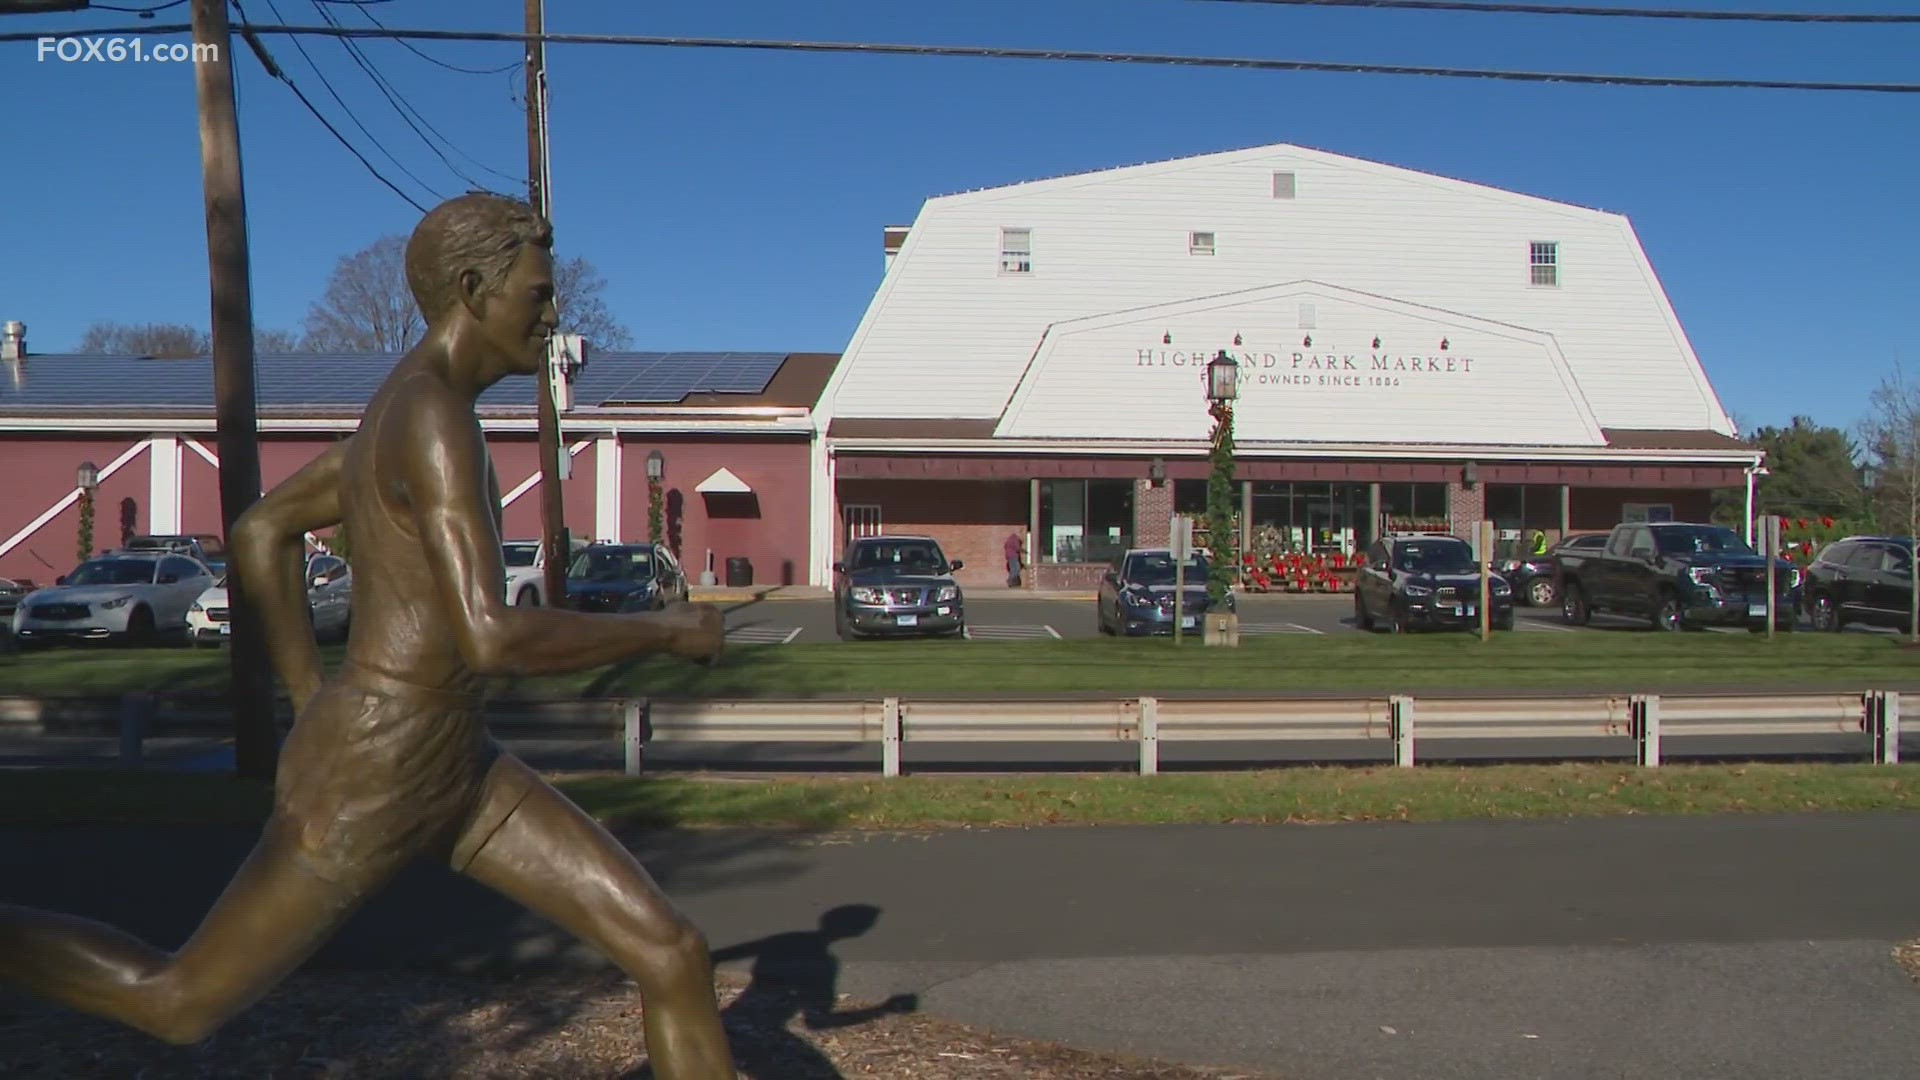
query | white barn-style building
[1414, 351]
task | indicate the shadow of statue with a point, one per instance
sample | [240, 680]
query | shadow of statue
[795, 976]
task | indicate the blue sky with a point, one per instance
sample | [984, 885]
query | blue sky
[735, 199]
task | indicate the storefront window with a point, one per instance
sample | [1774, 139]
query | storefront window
[1084, 521]
[1524, 506]
[1410, 507]
[1309, 517]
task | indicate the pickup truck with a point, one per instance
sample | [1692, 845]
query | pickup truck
[1679, 576]
[526, 564]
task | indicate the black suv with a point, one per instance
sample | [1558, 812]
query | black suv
[1863, 579]
[896, 586]
[1425, 579]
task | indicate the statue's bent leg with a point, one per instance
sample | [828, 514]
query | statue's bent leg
[272, 916]
[554, 859]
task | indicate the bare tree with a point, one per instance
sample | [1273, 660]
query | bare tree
[165, 341]
[1891, 434]
[578, 290]
[369, 308]
[275, 341]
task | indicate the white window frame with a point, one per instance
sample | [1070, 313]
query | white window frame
[1286, 185]
[1014, 261]
[1535, 249]
[1195, 246]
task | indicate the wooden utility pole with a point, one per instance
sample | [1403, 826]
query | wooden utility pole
[255, 736]
[553, 510]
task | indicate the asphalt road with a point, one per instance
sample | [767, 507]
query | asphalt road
[1755, 947]
[998, 619]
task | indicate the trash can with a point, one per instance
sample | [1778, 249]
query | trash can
[739, 572]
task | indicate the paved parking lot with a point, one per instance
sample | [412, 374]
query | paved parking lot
[776, 622]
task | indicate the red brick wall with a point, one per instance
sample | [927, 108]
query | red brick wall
[1599, 509]
[40, 471]
[969, 518]
[1467, 507]
[1152, 513]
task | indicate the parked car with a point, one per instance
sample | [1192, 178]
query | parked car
[1678, 575]
[1861, 579]
[329, 603]
[210, 550]
[1414, 580]
[897, 586]
[11, 593]
[526, 564]
[128, 595]
[625, 577]
[1136, 593]
[1531, 575]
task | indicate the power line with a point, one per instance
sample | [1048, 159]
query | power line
[428, 57]
[273, 69]
[1485, 8]
[399, 102]
[994, 52]
[377, 144]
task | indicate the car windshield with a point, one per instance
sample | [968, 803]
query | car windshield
[1157, 568]
[619, 564]
[1434, 556]
[920, 555]
[114, 572]
[1700, 539]
[520, 554]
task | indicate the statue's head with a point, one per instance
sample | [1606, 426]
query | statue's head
[487, 259]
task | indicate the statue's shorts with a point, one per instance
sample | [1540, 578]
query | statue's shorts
[378, 772]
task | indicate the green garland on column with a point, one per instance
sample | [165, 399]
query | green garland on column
[1220, 505]
[86, 526]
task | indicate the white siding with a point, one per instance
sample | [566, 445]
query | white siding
[949, 335]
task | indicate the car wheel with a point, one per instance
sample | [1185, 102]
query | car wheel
[1540, 592]
[1825, 617]
[1573, 607]
[1668, 615]
[140, 628]
[1398, 622]
[528, 597]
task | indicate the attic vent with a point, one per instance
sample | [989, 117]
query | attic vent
[1308, 317]
[1283, 185]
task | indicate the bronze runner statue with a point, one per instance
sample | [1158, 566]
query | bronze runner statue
[389, 759]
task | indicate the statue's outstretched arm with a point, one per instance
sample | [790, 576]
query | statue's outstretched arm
[447, 487]
[269, 559]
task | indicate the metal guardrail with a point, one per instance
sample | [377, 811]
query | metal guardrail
[1638, 721]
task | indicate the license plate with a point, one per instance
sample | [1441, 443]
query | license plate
[226, 629]
[1453, 609]
[1757, 611]
[1186, 622]
[942, 611]
[1470, 610]
[908, 620]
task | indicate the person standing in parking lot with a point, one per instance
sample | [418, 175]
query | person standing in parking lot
[1016, 549]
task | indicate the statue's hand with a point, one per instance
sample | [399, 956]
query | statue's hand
[699, 631]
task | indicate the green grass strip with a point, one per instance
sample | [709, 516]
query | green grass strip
[1301, 795]
[1615, 662]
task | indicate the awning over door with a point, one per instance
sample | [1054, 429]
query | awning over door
[723, 482]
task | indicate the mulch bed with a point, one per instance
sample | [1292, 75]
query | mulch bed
[351, 1027]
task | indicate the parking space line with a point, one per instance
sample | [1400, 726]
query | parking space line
[1051, 630]
[763, 635]
[1260, 628]
[1011, 632]
[790, 637]
[1541, 624]
[1308, 629]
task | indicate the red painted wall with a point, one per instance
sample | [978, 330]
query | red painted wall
[769, 528]
[515, 459]
[1599, 509]
[39, 472]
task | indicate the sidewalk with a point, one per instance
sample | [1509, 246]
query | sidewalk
[1683, 947]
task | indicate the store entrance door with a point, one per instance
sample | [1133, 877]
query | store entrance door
[1328, 529]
